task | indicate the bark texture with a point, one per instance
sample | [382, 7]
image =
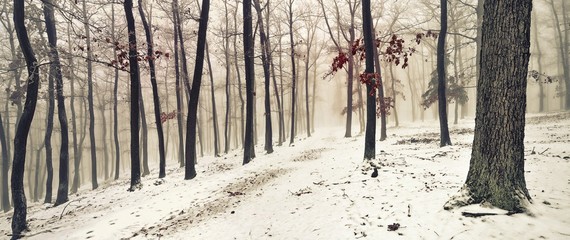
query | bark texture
[496, 171]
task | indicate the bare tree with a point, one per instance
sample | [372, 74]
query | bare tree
[442, 100]
[19, 223]
[249, 150]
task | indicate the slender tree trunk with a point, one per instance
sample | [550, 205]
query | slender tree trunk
[228, 124]
[178, 86]
[563, 50]
[155, 97]
[382, 102]
[135, 98]
[92, 141]
[242, 101]
[49, 130]
[144, 134]
[5, 165]
[115, 102]
[76, 153]
[274, 78]
[294, 72]
[496, 170]
[442, 100]
[17, 179]
[265, 58]
[190, 169]
[214, 111]
[538, 61]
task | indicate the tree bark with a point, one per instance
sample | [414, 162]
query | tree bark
[190, 168]
[214, 111]
[293, 72]
[496, 169]
[265, 59]
[17, 179]
[228, 124]
[92, 141]
[135, 98]
[5, 165]
[442, 100]
[249, 151]
[115, 101]
[155, 97]
[179, 89]
[370, 135]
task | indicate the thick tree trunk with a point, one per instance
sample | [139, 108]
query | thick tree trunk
[190, 168]
[249, 151]
[155, 97]
[441, 74]
[135, 98]
[496, 171]
[17, 179]
[370, 137]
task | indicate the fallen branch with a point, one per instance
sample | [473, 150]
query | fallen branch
[544, 151]
[62, 211]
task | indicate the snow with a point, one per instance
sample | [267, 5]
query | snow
[320, 188]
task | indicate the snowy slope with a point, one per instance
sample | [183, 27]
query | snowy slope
[321, 189]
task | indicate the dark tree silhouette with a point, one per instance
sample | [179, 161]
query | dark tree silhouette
[135, 91]
[92, 141]
[265, 62]
[249, 151]
[5, 165]
[19, 223]
[55, 68]
[190, 157]
[370, 135]
[178, 86]
[155, 97]
[496, 170]
[442, 100]
[115, 101]
[293, 70]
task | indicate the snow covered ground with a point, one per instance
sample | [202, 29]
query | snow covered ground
[320, 188]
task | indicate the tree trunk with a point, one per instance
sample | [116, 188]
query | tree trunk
[442, 100]
[249, 150]
[496, 171]
[242, 101]
[541, 95]
[115, 101]
[275, 87]
[76, 153]
[380, 94]
[228, 124]
[20, 139]
[5, 196]
[135, 98]
[144, 133]
[265, 59]
[293, 72]
[92, 141]
[370, 135]
[214, 111]
[178, 87]
[155, 97]
[563, 51]
[190, 169]
[49, 128]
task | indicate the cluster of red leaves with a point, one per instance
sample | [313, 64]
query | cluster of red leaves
[388, 104]
[428, 34]
[395, 51]
[167, 116]
[371, 80]
[122, 60]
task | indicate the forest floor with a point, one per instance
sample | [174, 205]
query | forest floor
[320, 188]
